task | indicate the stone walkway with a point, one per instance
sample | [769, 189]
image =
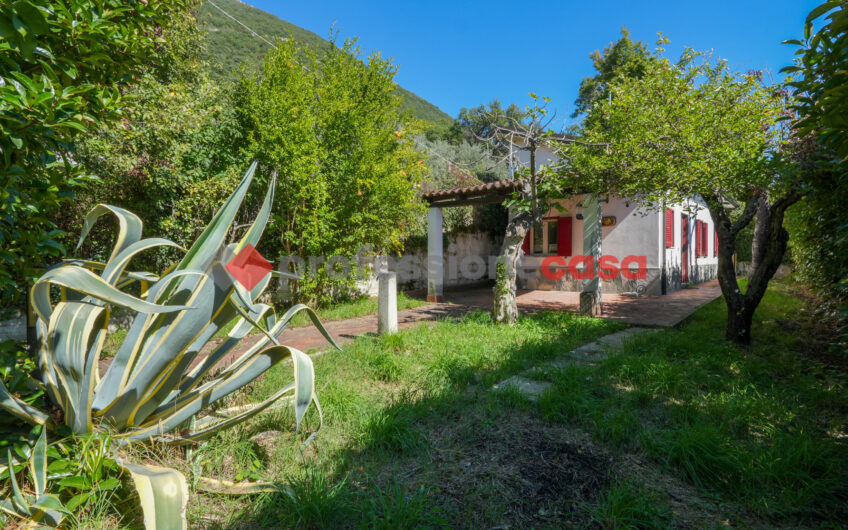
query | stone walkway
[591, 353]
[650, 311]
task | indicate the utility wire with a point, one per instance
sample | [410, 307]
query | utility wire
[242, 24]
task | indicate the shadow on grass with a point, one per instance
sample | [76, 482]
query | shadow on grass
[438, 448]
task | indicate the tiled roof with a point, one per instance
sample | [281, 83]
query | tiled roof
[498, 187]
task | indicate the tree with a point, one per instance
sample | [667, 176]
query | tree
[528, 129]
[171, 155]
[622, 58]
[331, 126]
[819, 223]
[695, 128]
[64, 66]
[481, 122]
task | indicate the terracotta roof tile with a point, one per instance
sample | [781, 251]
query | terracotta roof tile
[478, 190]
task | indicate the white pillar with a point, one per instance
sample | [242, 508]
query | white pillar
[435, 264]
[590, 298]
[387, 321]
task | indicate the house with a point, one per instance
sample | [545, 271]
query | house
[642, 251]
[678, 243]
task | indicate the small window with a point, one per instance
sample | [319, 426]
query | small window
[552, 237]
[538, 238]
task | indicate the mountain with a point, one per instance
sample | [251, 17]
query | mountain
[229, 44]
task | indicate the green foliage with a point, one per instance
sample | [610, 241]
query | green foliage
[755, 428]
[63, 67]
[171, 156]
[822, 86]
[232, 47]
[331, 125]
[819, 222]
[461, 164]
[688, 128]
[480, 122]
[148, 389]
[624, 58]
[628, 505]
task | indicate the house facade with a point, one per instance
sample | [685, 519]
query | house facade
[655, 252]
[663, 250]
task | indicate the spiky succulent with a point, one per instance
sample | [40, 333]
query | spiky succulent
[149, 388]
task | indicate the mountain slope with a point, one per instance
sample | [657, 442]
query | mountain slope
[230, 45]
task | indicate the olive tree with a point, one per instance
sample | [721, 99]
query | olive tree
[695, 128]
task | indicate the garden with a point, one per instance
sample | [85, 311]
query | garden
[154, 385]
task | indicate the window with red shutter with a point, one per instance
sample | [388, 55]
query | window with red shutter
[698, 238]
[564, 236]
[525, 245]
[669, 228]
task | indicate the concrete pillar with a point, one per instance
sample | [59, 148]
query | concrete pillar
[387, 321]
[590, 297]
[435, 263]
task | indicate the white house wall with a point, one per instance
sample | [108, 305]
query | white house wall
[636, 232]
[700, 268]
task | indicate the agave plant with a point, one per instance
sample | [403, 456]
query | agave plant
[149, 389]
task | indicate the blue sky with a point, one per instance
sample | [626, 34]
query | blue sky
[460, 54]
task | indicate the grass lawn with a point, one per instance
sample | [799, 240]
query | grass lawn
[680, 429]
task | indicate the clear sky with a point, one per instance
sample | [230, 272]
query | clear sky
[461, 54]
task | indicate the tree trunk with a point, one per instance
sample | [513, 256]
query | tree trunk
[741, 307]
[505, 310]
[759, 241]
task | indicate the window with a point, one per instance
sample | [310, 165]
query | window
[538, 238]
[552, 236]
[698, 238]
[669, 228]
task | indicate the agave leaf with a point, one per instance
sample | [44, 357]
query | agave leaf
[75, 337]
[18, 502]
[38, 464]
[209, 425]
[209, 243]
[234, 337]
[162, 349]
[114, 269]
[171, 414]
[48, 509]
[225, 487]
[163, 493]
[84, 281]
[115, 379]
[20, 408]
[129, 226]
[254, 233]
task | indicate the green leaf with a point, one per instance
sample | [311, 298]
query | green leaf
[822, 9]
[163, 493]
[108, 484]
[32, 17]
[77, 500]
[76, 482]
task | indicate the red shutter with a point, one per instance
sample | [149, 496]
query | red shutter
[564, 236]
[705, 247]
[525, 245]
[715, 246]
[699, 238]
[669, 228]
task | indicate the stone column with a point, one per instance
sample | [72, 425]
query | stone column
[387, 321]
[435, 264]
[590, 297]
